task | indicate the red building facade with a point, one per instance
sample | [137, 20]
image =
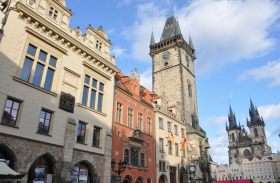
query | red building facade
[133, 130]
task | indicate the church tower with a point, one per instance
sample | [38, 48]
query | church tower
[233, 137]
[173, 69]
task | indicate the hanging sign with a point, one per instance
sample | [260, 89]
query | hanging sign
[40, 172]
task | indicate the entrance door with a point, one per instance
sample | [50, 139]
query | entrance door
[161, 180]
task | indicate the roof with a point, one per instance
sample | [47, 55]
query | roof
[171, 106]
[171, 29]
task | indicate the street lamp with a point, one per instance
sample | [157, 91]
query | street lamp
[121, 169]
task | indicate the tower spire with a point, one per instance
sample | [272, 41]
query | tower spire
[231, 119]
[190, 41]
[178, 30]
[152, 38]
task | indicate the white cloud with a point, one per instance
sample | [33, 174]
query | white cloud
[220, 142]
[119, 52]
[219, 121]
[222, 31]
[146, 79]
[267, 134]
[269, 71]
[269, 112]
[220, 159]
[112, 30]
[275, 144]
[208, 120]
[219, 150]
[222, 131]
[276, 131]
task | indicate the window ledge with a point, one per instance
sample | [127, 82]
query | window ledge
[130, 166]
[97, 147]
[9, 125]
[93, 110]
[34, 86]
[81, 143]
[43, 134]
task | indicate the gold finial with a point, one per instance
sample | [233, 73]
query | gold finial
[173, 10]
[166, 14]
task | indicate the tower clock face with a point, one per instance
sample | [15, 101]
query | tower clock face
[187, 59]
[165, 56]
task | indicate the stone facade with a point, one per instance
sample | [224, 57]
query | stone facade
[176, 103]
[76, 60]
[244, 145]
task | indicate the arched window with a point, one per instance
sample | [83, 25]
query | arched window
[247, 154]
[39, 170]
[256, 132]
[80, 173]
[126, 156]
[233, 137]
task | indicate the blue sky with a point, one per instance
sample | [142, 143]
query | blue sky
[237, 49]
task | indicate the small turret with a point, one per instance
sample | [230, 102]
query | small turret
[190, 42]
[152, 39]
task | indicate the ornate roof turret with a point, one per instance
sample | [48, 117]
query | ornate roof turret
[171, 29]
[254, 115]
[190, 42]
[152, 39]
[232, 119]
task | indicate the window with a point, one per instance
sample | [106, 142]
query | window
[190, 90]
[256, 132]
[11, 112]
[44, 123]
[160, 144]
[249, 176]
[248, 170]
[268, 169]
[53, 13]
[245, 170]
[175, 130]
[130, 118]
[81, 132]
[176, 150]
[260, 169]
[140, 122]
[265, 176]
[269, 175]
[119, 135]
[91, 93]
[148, 144]
[142, 159]
[149, 180]
[38, 68]
[252, 170]
[182, 132]
[149, 127]
[257, 169]
[264, 169]
[168, 126]
[169, 147]
[126, 155]
[119, 112]
[160, 123]
[98, 45]
[96, 136]
[134, 156]
[162, 166]
[233, 137]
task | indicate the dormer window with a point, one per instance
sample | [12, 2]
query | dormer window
[168, 25]
[98, 45]
[53, 13]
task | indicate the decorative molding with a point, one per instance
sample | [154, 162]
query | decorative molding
[96, 70]
[93, 110]
[37, 18]
[34, 86]
[72, 72]
[29, 30]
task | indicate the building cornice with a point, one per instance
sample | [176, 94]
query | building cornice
[96, 70]
[63, 7]
[93, 30]
[63, 36]
[167, 115]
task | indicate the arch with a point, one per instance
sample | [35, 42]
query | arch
[128, 179]
[256, 132]
[92, 173]
[246, 154]
[162, 179]
[139, 180]
[102, 32]
[9, 153]
[45, 162]
[233, 139]
[48, 155]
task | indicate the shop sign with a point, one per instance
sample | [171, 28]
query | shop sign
[83, 174]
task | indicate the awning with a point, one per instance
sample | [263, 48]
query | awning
[5, 170]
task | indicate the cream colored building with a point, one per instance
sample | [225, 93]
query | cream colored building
[226, 172]
[262, 169]
[56, 94]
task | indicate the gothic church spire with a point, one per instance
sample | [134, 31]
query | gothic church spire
[152, 39]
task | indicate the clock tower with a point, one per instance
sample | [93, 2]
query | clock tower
[173, 69]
